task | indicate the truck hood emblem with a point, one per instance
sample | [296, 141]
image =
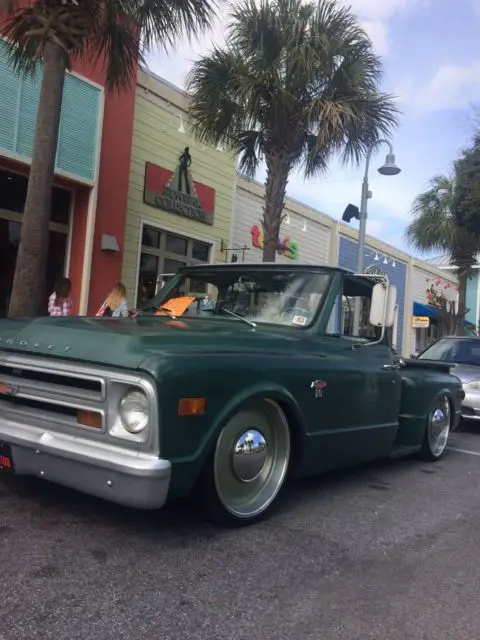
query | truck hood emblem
[34, 345]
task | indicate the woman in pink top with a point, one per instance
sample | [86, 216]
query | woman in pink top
[60, 303]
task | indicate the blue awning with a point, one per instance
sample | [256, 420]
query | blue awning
[424, 310]
[428, 311]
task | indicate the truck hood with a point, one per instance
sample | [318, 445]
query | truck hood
[128, 342]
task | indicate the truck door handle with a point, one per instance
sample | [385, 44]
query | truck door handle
[391, 366]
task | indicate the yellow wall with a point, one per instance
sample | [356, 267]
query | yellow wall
[156, 139]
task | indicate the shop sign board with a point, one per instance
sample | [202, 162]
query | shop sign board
[177, 192]
[420, 322]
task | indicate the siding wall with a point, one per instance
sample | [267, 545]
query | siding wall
[396, 274]
[308, 229]
[156, 139]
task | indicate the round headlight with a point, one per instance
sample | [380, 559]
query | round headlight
[133, 411]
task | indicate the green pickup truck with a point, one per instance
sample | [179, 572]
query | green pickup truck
[264, 372]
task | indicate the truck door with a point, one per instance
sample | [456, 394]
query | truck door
[357, 415]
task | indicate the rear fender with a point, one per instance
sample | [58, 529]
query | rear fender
[418, 396]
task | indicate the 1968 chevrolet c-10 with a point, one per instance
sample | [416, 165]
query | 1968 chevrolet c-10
[265, 371]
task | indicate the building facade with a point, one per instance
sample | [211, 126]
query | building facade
[92, 165]
[310, 236]
[472, 301]
[180, 193]
[305, 236]
[379, 259]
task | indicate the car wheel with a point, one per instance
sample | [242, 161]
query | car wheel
[438, 428]
[246, 471]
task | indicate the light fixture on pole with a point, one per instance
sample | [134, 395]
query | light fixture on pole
[387, 169]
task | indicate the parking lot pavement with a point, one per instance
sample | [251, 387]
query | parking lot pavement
[388, 551]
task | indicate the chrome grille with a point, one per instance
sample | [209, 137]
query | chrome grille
[49, 391]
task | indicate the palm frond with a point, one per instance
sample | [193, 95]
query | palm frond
[164, 22]
[216, 115]
[301, 72]
[248, 146]
[434, 225]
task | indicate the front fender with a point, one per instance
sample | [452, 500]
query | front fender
[187, 467]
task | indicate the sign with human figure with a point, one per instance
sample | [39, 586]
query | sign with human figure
[177, 192]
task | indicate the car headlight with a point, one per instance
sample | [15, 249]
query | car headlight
[133, 410]
[474, 385]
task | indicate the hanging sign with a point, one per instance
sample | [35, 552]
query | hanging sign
[420, 322]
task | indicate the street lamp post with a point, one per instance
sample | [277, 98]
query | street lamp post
[387, 169]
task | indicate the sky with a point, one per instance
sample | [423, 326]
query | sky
[431, 58]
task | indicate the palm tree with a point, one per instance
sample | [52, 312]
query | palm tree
[296, 83]
[435, 227]
[56, 32]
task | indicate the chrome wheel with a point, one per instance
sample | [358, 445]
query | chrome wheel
[251, 460]
[439, 424]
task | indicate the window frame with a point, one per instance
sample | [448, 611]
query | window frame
[162, 254]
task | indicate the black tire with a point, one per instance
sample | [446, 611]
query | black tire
[437, 430]
[234, 489]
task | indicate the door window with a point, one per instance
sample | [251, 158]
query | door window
[342, 318]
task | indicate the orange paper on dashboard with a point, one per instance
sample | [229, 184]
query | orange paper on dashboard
[175, 306]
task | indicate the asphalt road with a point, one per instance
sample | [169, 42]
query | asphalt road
[389, 551]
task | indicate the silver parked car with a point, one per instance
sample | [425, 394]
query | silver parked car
[464, 352]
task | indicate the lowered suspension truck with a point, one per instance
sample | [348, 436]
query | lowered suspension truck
[233, 378]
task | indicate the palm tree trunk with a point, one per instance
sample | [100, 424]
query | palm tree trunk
[278, 170]
[29, 281]
[462, 298]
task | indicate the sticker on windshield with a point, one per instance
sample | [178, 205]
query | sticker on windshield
[300, 320]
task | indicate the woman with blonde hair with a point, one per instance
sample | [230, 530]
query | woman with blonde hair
[115, 304]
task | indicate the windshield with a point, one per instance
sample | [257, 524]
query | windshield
[271, 296]
[457, 351]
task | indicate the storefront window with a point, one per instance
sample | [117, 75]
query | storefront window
[9, 241]
[13, 189]
[150, 237]
[176, 244]
[162, 255]
[200, 251]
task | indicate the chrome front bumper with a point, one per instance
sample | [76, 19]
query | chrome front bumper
[126, 477]
[471, 405]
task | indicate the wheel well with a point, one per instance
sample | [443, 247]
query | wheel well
[296, 449]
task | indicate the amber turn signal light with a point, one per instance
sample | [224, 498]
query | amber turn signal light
[191, 406]
[89, 419]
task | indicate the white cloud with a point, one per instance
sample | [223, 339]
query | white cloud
[475, 6]
[375, 17]
[451, 87]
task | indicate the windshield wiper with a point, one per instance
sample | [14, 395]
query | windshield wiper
[239, 317]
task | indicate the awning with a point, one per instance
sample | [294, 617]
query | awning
[424, 310]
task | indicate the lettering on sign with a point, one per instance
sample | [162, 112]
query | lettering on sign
[420, 322]
[285, 247]
[177, 192]
[374, 270]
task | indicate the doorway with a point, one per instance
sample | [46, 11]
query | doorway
[13, 190]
